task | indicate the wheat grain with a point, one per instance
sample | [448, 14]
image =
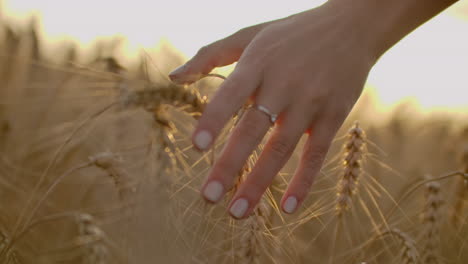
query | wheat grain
[353, 152]
[153, 97]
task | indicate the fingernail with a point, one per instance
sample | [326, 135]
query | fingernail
[239, 208]
[177, 71]
[203, 139]
[213, 191]
[290, 204]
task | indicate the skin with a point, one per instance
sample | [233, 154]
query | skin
[310, 68]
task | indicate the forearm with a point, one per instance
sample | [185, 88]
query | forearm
[388, 21]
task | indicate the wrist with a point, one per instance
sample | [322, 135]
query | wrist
[383, 23]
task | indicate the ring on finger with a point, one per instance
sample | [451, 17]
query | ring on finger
[273, 117]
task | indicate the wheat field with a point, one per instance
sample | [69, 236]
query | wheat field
[96, 166]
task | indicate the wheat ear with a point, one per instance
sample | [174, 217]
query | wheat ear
[254, 230]
[109, 163]
[153, 97]
[409, 252]
[91, 238]
[353, 152]
[253, 240]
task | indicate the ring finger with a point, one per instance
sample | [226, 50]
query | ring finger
[275, 154]
[244, 139]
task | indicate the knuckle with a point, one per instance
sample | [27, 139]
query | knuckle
[203, 51]
[232, 90]
[243, 35]
[312, 161]
[241, 32]
[280, 147]
[318, 95]
[250, 129]
[319, 98]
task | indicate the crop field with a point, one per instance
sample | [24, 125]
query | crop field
[97, 166]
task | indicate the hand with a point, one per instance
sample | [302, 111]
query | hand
[309, 69]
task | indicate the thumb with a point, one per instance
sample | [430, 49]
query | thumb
[220, 53]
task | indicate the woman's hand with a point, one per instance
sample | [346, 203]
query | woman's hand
[309, 69]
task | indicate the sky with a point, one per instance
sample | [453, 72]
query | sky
[430, 65]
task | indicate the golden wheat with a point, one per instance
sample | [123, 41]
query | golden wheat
[353, 152]
[110, 163]
[409, 253]
[91, 239]
[154, 96]
[27, 77]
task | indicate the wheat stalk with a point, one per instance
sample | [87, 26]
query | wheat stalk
[353, 152]
[430, 221]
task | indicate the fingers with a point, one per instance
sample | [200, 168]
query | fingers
[229, 98]
[315, 150]
[217, 54]
[207, 58]
[245, 137]
[275, 154]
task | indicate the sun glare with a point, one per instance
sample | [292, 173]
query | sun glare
[430, 65]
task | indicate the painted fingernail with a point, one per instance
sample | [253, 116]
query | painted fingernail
[177, 71]
[239, 208]
[203, 139]
[290, 204]
[213, 191]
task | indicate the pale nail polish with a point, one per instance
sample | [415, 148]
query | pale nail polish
[203, 139]
[239, 208]
[213, 191]
[177, 71]
[290, 204]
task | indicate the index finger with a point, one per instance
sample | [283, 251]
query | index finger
[229, 98]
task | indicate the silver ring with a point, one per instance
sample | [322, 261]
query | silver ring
[265, 110]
